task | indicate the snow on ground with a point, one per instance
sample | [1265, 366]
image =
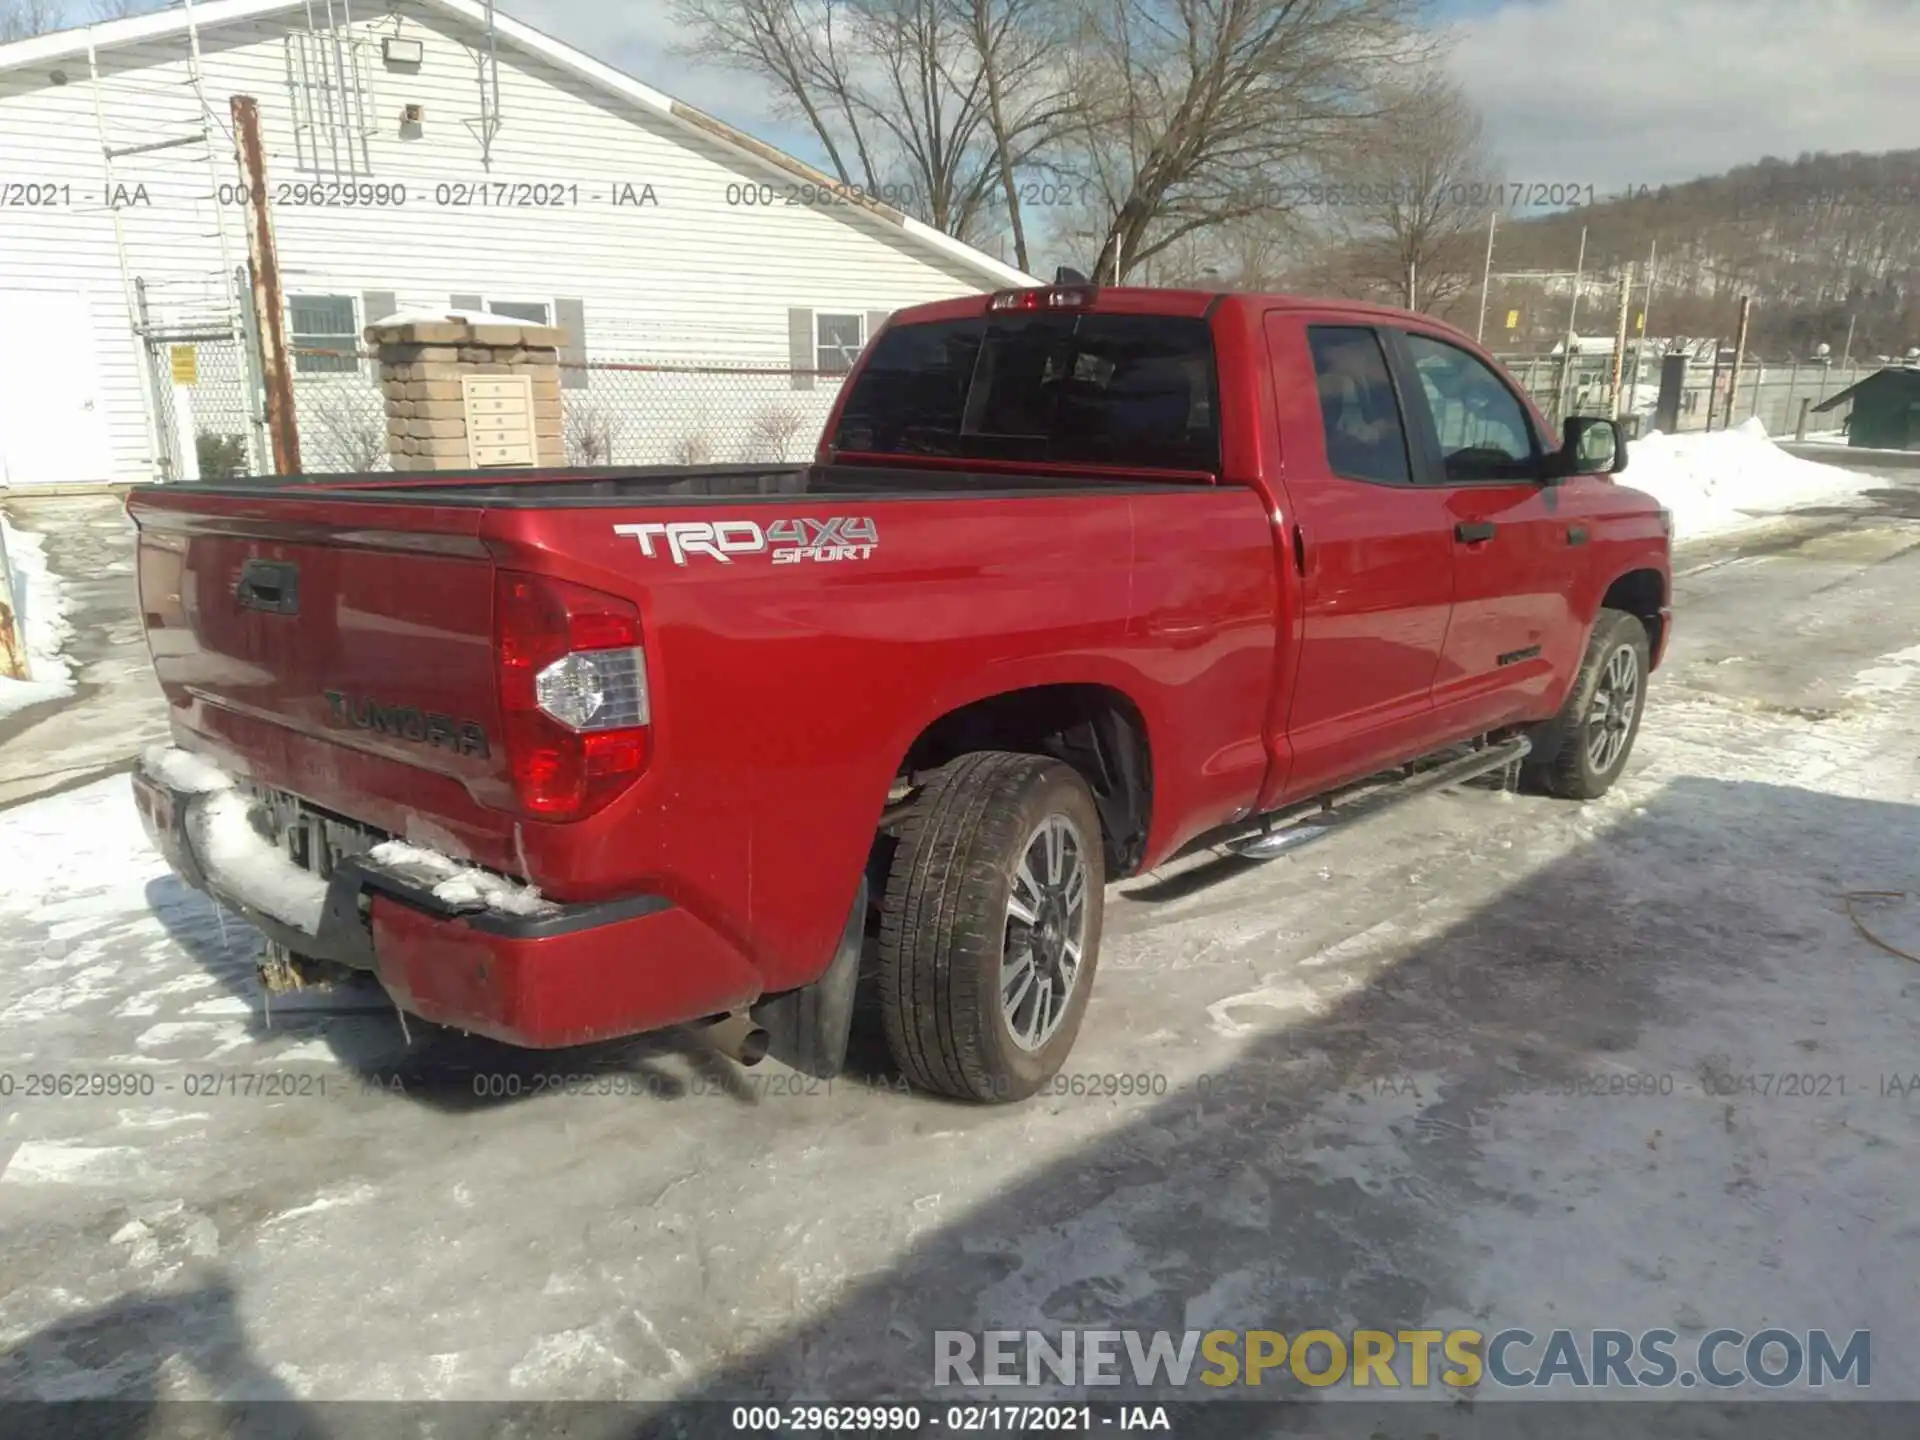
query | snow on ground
[38, 597]
[1719, 481]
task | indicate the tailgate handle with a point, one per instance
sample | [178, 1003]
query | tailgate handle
[270, 585]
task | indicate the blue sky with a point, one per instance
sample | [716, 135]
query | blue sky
[1608, 93]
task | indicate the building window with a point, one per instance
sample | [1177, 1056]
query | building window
[534, 312]
[323, 323]
[836, 341]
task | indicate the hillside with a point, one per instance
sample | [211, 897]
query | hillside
[1813, 241]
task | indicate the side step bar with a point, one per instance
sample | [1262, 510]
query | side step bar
[1282, 840]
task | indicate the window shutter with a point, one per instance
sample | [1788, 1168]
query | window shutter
[466, 302]
[875, 319]
[571, 316]
[800, 348]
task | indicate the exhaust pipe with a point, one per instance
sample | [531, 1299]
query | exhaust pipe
[738, 1037]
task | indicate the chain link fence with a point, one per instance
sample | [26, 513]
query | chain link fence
[613, 412]
[1771, 392]
[637, 412]
[648, 412]
[203, 404]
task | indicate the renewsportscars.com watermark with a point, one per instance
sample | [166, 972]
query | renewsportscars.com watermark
[1511, 1359]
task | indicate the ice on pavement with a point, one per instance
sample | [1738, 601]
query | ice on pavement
[38, 595]
[1724, 479]
[460, 884]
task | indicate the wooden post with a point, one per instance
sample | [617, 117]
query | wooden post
[1620, 338]
[1739, 351]
[1486, 279]
[13, 634]
[268, 306]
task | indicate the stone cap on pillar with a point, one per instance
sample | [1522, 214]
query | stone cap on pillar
[464, 327]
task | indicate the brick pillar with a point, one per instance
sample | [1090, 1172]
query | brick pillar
[423, 364]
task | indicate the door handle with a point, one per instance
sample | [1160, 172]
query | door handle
[1472, 532]
[270, 585]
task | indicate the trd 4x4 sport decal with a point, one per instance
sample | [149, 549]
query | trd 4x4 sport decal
[842, 537]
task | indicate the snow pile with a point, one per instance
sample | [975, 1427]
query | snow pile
[42, 608]
[248, 866]
[459, 884]
[1729, 478]
[183, 770]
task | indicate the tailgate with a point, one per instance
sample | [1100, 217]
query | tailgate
[318, 646]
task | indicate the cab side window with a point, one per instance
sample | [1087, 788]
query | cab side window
[1359, 411]
[1483, 429]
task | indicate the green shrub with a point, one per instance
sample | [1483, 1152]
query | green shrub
[222, 457]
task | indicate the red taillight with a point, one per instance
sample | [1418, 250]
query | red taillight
[573, 693]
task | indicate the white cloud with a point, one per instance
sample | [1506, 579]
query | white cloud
[1627, 92]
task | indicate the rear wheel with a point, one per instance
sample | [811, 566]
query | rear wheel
[1595, 732]
[990, 926]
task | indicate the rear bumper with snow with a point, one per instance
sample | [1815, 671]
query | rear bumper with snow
[568, 975]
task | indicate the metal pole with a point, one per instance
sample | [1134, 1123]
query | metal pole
[1486, 279]
[276, 373]
[1846, 354]
[1739, 353]
[1793, 381]
[1573, 320]
[1713, 385]
[1620, 338]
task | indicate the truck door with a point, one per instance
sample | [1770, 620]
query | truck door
[1374, 551]
[1513, 564]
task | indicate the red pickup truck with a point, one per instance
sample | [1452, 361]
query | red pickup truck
[1080, 579]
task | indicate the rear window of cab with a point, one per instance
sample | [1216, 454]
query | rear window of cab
[1133, 390]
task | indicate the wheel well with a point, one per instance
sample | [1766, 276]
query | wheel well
[1090, 727]
[1639, 593]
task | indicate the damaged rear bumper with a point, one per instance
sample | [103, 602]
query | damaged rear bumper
[569, 974]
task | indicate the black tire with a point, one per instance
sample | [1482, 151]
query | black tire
[946, 927]
[1570, 763]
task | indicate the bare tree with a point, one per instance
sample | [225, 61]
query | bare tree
[1410, 206]
[23, 19]
[1193, 113]
[937, 104]
[120, 9]
[591, 432]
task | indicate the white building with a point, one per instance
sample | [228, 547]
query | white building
[415, 158]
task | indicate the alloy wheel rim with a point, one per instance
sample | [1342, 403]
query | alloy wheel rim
[1616, 701]
[1045, 936]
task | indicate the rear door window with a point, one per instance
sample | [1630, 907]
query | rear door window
[1133, 390]
[1359, 411]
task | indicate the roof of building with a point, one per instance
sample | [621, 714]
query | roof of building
[179, 19]
[1901, 377]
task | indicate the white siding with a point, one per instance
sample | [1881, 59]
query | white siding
[692, 277]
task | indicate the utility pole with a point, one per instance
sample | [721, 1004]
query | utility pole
[268, 306]
[1646, 318]
[1486, 279]
[1739, 350]
[1620, 337]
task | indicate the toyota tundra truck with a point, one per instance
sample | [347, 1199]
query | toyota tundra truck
[1079, 580]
